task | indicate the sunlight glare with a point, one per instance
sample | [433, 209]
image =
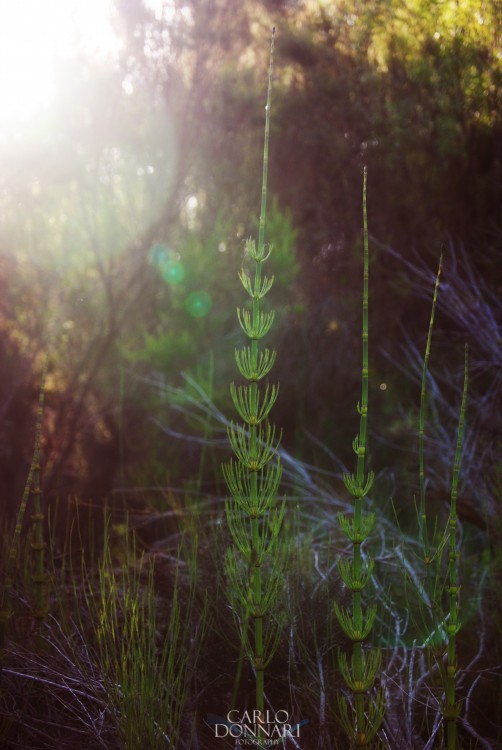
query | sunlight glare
[36, 37]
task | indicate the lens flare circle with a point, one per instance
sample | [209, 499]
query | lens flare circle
[172, 272]
[168, 263]
[198, 304]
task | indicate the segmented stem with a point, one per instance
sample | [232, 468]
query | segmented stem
[363, 723]
[263, 207]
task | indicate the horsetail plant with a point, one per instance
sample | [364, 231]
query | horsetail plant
[253, 513]
[362, 718]
[32, 487]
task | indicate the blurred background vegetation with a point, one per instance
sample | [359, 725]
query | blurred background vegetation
[127, 193]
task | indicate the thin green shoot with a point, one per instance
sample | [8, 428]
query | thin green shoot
[423, 529]
[452, 708]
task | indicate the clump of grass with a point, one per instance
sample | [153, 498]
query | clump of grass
[144, 648]
[443, 617]
[253, 477]
[430, 538]
[362, 718]
[435, 577]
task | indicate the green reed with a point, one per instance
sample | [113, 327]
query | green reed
[143, 631]
[422, 518]
[431, 592]
[451, 710]
[442, 619]
[253, 513]
[362, 718]
[33, 488]
[38, 545]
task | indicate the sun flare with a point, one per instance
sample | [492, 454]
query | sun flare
[35, 38]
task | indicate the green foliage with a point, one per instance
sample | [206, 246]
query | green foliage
[434, 64]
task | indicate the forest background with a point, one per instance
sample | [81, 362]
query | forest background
[133, 193]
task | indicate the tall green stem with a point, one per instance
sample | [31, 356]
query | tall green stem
[263, 206]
